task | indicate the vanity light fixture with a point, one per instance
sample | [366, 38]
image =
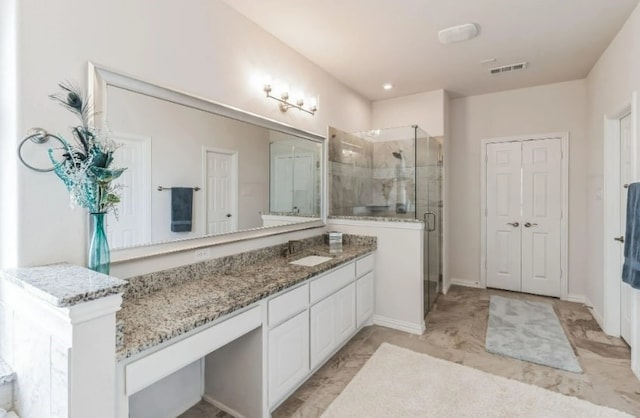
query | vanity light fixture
[285, 104]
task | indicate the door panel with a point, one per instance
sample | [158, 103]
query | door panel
[288, 355]
[626, 171]
[221, 213]
[323, 326]
[345, 312]
[541, 216]
[133, 224]
[503, 215]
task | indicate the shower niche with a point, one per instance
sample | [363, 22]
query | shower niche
[389, 175]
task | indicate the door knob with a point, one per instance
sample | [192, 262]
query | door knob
[529, 224]
[620, 238]
[228, 215]
[513, 224]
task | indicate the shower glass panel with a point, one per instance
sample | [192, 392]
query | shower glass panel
[429, 208]
[393, 173]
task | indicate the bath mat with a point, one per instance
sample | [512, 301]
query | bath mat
[396, 382]
[529, 331]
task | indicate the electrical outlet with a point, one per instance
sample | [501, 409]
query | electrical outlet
[203, 253]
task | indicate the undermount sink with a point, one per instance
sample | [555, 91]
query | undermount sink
[310, 261]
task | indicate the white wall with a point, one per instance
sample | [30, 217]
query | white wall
[609, 86]
[551, 108]
[8, 130]
[198, 46]
[424, 109]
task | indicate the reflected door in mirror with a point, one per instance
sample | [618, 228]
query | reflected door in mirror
[221, 184]
[132, 224]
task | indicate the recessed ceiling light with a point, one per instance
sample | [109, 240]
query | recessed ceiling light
[387, 86]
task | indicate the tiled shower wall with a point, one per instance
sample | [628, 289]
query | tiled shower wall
[365, 177]
[350, 173]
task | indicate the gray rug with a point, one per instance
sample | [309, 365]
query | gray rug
[529, 331]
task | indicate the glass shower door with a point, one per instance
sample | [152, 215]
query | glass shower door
[429, 209]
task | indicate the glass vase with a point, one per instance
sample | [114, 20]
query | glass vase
[99, 255]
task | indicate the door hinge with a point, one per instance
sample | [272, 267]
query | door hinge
[486, 212]
[486, 157]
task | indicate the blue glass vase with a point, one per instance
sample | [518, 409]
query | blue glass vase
[99, 255]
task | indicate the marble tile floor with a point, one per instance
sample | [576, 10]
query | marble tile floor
[456, 329]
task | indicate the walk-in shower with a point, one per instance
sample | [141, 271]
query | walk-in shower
[392, 174]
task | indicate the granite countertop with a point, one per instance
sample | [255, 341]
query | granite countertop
[64, 285]
[151, 319]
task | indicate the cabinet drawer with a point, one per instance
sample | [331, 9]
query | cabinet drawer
[365, 265]
[333, 281]
[288, 304]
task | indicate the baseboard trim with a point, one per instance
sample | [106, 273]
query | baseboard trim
[221, 406]
[465, 283]
[409, 327]
[594, 313]
[184, 407]
[577, 299]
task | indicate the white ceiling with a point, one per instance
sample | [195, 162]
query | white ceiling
[365, 43]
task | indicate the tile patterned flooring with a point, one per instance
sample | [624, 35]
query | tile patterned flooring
[456, 330]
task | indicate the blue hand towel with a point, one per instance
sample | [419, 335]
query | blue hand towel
[631, 267]
[181, 209]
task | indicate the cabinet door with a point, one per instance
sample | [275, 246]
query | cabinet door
[323, 335]
[364, 299]
[345, 313]
[288, 356]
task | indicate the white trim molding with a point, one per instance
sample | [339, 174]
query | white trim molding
[564, 223]
[409, 327]
[611, 209]
[465, 283]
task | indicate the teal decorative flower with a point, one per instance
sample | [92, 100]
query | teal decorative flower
[85, 167]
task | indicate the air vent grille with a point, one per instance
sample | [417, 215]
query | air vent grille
[508, 68]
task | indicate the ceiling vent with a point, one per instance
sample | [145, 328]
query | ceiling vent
[508, 68]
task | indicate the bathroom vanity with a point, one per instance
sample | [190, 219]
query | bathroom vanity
[242, 332]
[254, 331]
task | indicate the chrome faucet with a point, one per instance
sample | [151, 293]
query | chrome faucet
[292, 247]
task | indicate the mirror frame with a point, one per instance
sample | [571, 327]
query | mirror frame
[100, 77]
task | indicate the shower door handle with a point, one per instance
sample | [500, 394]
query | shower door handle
[426, 221]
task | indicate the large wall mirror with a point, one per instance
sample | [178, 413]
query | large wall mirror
[198, 169]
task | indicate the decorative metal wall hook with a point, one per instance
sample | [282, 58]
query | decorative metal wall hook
[37, 136]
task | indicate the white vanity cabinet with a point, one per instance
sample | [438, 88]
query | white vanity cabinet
[288, 343]
[332, 321]
[310, 323]
[365, 290]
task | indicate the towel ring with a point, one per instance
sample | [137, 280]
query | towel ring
[38, 136]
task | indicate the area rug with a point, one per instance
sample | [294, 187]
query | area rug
[396, 382]
[529, 331]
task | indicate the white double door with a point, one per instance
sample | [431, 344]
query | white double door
[524, 216]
